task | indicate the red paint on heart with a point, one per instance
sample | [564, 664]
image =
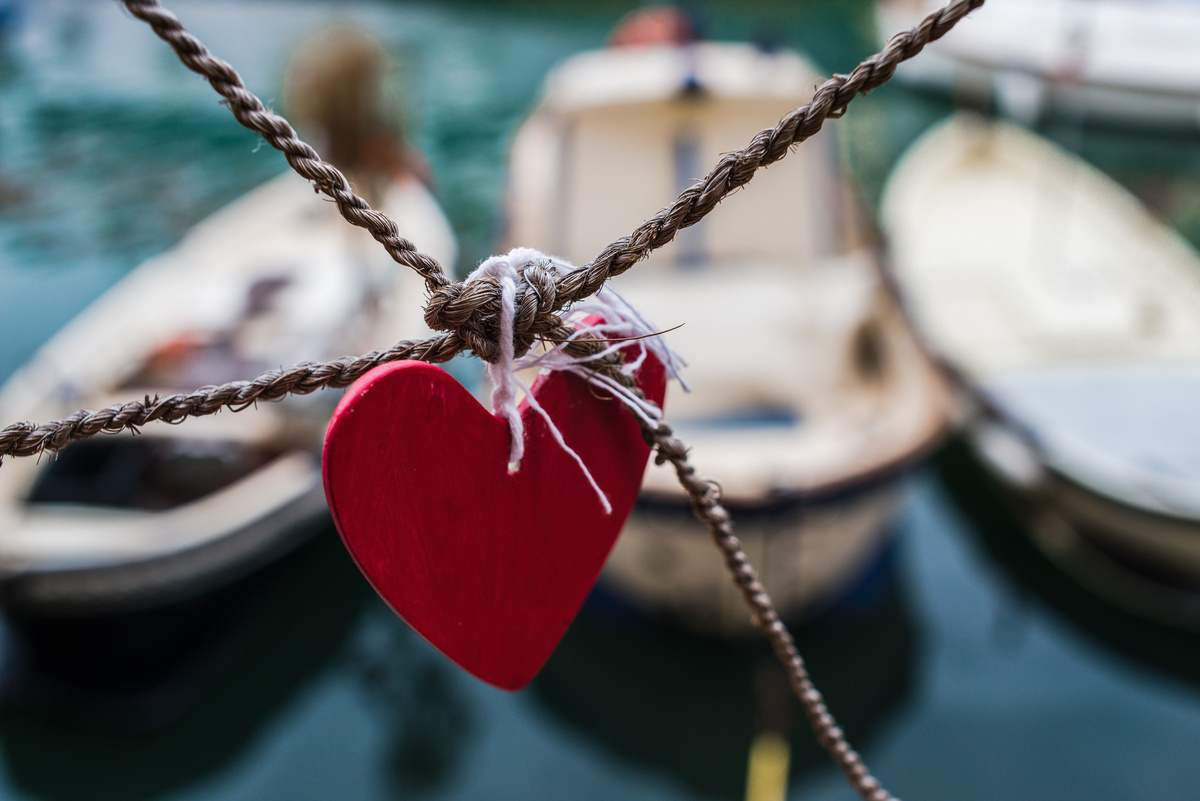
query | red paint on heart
[489, 567]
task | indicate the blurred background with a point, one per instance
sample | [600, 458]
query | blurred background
[961, 659]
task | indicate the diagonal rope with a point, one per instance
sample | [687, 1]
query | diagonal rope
[251, 112]
[735, 169]
[705, 497]
[732, 172]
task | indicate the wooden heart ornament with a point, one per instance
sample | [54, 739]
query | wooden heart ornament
[489, 567]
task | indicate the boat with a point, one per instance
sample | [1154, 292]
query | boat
[810, 396]
[114, 525]
[1111, 61]
[122, 521]
[1072, 317]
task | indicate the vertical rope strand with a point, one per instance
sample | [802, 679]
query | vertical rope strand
[705, 497]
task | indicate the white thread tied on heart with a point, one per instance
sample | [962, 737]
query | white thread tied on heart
[619, 321]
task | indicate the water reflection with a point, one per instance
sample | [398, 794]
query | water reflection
[416, 698]
[135, 708]
[689, 706]
[132, 708]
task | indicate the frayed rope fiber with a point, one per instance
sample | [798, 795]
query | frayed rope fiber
[613, 318]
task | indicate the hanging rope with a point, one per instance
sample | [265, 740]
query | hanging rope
[470, 314]
[705, 498]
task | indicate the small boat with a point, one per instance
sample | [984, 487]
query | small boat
[119, 524]
[274, 279]
[1073, 318]
[1115, 61]
[810, 396]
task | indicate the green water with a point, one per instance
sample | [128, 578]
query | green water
[973, 671]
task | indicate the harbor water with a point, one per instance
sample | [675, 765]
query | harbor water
[968, 666]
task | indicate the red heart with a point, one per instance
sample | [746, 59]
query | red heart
[489, 567]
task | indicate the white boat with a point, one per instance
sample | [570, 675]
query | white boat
[1076, 317]
[809, 394]
[123, 522]
[1125, 61]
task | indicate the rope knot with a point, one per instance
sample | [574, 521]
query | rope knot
[508, 302]
[474, 309]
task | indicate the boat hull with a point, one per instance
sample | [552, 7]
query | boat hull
[117, 588]
[807, 555]
[808, 393]
[1117, 63]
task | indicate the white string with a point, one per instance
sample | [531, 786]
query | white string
[503, 271]
[618, 320]
[558, 437]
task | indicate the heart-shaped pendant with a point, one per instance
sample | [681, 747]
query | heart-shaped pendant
[489, 566]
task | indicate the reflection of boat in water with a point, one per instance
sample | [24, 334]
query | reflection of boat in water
[689, 706]
[1006, 539]
[202, 714]
[810, 395]
[275, 278]
[1113, 60]
[1078, 316]
[211, 699]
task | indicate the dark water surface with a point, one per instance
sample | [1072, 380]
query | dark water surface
[976, 671]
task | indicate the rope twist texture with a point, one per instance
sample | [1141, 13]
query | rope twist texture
[472, 310]
[473, 314]
[28, 439]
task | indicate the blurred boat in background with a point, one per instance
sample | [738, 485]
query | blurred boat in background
[1117, 61]
[276, 278]
[123, 523]
[1074, 318]
[811, 397]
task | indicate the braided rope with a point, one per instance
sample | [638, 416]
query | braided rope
[735, 169]
[731, 173]
[28, 439]
[470, 316]
[469, 313]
